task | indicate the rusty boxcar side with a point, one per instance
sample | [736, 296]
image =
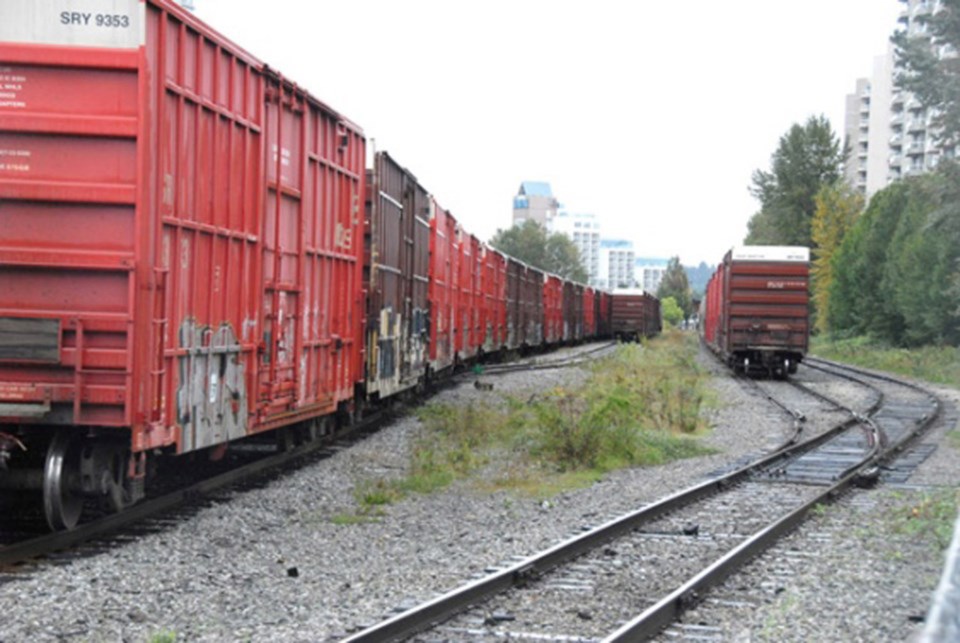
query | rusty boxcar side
[757, 308]
[396, 268]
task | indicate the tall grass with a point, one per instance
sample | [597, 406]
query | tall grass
[940, 364]
[639, 407]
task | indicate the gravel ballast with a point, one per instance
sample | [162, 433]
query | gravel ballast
[277, 563]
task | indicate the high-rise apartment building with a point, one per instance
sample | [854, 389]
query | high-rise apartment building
[534, 201]
[649, 273]
[888, 131]
[584, 231]
[616, 269]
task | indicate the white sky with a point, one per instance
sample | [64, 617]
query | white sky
[652, 115]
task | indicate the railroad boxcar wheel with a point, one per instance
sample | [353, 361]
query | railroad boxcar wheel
[115, 496]
[62, 495]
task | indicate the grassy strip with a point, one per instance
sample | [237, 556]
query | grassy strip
[640, 407]
[939, 364]
[929, 518]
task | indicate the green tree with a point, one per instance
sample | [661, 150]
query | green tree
[933, 78]
[837, 207]
[671, 311]
[858, 305]
[676, 285]
[808, 157]
[531, 244]
[923, 260]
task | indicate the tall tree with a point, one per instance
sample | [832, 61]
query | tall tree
[531, 244]
[838, 206]
[858, 304]
[675, 284]
[924, 260]
[929, 68]
[808, 157]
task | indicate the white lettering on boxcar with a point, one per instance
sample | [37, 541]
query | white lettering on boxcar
[115, 24]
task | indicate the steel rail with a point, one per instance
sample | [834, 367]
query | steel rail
[664, 612]
[439, 609]
[103, 526]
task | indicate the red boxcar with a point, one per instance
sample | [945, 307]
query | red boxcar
[756, 309]
[180, 245]
[396, 274]
[589, 312]
[604, 302]
[634, 314]
[469, 296]
[444, 266]
[494, 286]
[553, 309]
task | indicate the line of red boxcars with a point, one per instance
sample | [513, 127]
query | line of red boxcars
[192, 252]
[755, 314]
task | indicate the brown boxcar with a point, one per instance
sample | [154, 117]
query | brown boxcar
[756, 309]
[396, 275]
[634, 314]
[572, 311]
[181, 249]
[531, 306]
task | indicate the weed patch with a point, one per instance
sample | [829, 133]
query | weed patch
[930, 517]
[639, 407]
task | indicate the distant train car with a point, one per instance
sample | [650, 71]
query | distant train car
[634, 314]
[494, 305]
[442, 289]
[589, 312]
[603, 303]
[469, 296]
[572, 312]
[531, 306]
[553, 303]
[396, 272]
[755, 314]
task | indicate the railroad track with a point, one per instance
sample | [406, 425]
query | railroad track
[33, 542]
[537, 363]
[665, 556]
[270, 462]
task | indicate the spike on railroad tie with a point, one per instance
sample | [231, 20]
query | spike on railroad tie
[293, 572]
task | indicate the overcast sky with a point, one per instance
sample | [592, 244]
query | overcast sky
[651, 115]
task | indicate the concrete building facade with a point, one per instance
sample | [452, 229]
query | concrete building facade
[649, 275]
[584, 231]
[889, 133]
[616, 265]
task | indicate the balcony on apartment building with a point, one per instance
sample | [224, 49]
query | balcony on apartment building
[894, 161]
[917, 124]
[916, 148]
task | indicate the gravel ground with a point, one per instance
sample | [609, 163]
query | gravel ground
[272, 563]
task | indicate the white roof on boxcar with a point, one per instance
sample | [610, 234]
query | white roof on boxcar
[628, 291]
[770, 253]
